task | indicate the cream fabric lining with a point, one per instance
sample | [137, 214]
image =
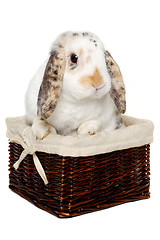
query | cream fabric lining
[137, 132]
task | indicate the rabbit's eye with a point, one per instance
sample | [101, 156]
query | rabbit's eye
[74, 58]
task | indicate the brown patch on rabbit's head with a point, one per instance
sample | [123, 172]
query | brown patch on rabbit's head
[94, 80]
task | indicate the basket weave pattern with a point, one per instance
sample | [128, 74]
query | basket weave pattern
[79, 185]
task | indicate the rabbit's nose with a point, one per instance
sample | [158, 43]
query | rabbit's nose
[100, 87]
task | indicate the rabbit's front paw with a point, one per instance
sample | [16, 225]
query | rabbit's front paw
[88, 128]
[40, 129]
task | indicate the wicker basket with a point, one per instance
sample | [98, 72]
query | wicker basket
[78, 185]
[82, 184]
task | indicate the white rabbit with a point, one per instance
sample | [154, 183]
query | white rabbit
[79, 90]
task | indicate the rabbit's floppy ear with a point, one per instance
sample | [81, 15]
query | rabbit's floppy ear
[51, 84]
[117, 85]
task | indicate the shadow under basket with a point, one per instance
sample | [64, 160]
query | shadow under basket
[78, 185]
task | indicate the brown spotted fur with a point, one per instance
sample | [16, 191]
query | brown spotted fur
[117, 85]
[51, 84]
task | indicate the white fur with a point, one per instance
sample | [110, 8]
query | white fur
[79, 110]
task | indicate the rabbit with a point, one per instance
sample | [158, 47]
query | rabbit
[79, 90]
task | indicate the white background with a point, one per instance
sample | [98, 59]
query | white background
[130, 31]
